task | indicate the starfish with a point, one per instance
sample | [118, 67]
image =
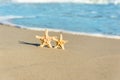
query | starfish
[60, 42]
[45, 40]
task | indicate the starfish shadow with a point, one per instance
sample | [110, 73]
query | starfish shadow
[28, 43]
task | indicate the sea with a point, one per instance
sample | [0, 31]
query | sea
[75, 18]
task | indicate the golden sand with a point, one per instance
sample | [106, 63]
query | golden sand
[84, 57]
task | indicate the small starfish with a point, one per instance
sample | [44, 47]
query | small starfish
[45, 40]
[60, 42]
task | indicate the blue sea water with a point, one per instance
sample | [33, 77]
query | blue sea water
[101, 19]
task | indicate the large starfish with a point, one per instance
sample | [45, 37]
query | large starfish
[60, 42]
[45, 40]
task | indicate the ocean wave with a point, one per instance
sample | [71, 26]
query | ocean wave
[9, 17]
[6, 19]
[70, 1]
[113, 16]
[74, 33]
[46, 1]
[99, 35]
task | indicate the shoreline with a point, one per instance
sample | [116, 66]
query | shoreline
[65, 31]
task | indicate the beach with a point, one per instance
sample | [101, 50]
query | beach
[84, 57]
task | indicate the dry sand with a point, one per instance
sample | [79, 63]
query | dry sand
[85, 58]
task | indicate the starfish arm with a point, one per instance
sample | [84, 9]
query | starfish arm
[42, 45]
[49, 45]
[38, 37]
[46, 33]
[56, 46]
[61, 37]
[63, 42]
[62, 46]
[54, 39]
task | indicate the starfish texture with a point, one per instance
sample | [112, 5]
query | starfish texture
[60, 42]
[45, 40]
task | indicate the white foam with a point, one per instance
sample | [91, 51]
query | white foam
[115, 2]
[4, 20]
[113, 16]
[9, 17]
[64, 31]
[63, 1]
[41, 1]
[77, 33]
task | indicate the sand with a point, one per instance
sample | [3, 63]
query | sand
[84, 57]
